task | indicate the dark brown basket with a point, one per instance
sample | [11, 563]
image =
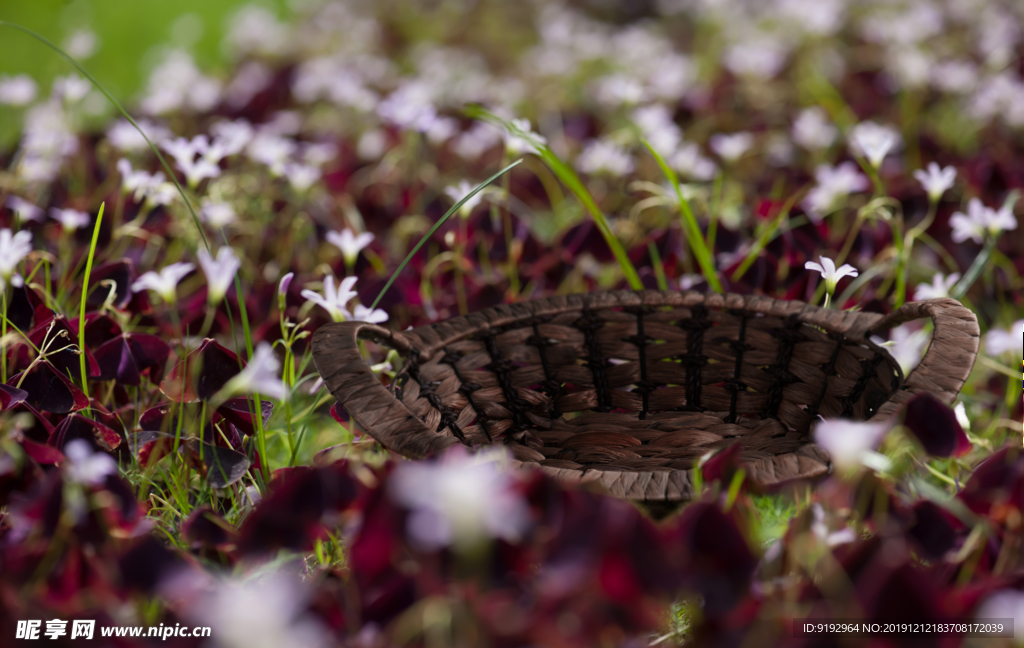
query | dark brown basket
[630, 389]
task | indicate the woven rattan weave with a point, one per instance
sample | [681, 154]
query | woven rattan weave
[629, 389]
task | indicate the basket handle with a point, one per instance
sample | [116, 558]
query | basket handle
[375, 409]
[952, 351]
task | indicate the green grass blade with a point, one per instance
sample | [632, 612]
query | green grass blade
[454, 210]
[690, 227]
[569, 178]
[99, 86]
[85, 295]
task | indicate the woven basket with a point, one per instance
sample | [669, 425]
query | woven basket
[630, 389]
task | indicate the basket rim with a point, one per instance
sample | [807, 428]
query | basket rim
[943, 371]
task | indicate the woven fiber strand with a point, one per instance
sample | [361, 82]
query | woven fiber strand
[630, 389]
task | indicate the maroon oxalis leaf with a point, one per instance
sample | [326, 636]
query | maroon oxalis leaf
[996, 487]
[121, 274]
[40, 452]
[204, 529]
[202, 373]
[222, 466]
[10, 396]
[934, 424]
[49, 390]
[75, 426]
[934, 530]
[57, 331]
[723, 465]
[240, 413]
[150, 446]
[125, 357]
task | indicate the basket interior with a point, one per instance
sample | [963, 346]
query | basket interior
[646, 388]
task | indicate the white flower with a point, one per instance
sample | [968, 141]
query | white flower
[371, 315]
[470, 145]
[981, 220]
[690, 162]
[18, 90]
[261, 375]
[71, 88]
[125, 137]
[142, 183]
[906, 346]
[731, 147]
[936, 181]
[813, 131]
[264, 612]
[220, 272]
[165, 282]
[25, 210]
[659, 128]
[349, 243]
[272, 150]
[829, 273]
[461, 500]
[519, 138]
[961, 416]
[373, 143]
[938, 288]
[600, 156]
[184, 153]
[460, 191]
[176, 84]
[998, 341]
[13, 248]
[301, 176]
[217, 214]
[333, 300]
[851, 443]
[69, 219]
[874, 141]
[760, 57]
[1004, 604]
[230, 138]
[82, 44]
[86, 467]
[834, 183]
[819, 527]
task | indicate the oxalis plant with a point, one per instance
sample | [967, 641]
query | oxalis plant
[169, 454]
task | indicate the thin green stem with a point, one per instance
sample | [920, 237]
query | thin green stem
[85, 295]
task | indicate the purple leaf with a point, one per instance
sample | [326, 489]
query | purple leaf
[934, 424]
[50, 391]
[10, 396]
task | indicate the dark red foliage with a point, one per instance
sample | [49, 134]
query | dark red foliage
[934, 424]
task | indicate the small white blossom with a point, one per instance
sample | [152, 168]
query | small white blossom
[261, 375]
[13, 248]
[165, 282]
[82, 44]
[520, 138]
[301, 176]
[829, 273]
[366, 314]
[936, 181]
[350, 243]
[272, 150]
[125, 137]
[600, 156]
[70, 219]
[906, 346]
[470, 145]
[373, 143]
[184, 153]
[220, 272]
[851, 444]
[17, 90]
[733, 146]
[981, 220]
[998, 341]
[813, 131]
[25, 210]
[86, 467]
[462, 500]
[1003, 604]
[819, 527]
[834, 183]
[230, 138]
[334, 301]
[71, 88]
[938, 288]
[874, 141]
[961, 416]
[659, 128]
[690, 162]
[460, 191]
[217, 214]
[143, 184]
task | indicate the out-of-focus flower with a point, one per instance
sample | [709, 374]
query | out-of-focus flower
[936, 181]
[461, 500]
[834, 183]
[18, 90]
[282, 290]
[851, 444]
[473, 143]
[184, 153]
[25, 210]
[13, 248]
[255, 30]
[830, 273]
[165, 282]
[731, 147]
[961, 416]
[82, 44]
[520, 138]
[690, 162]
[144, 185]
[301, 176]
[86, 467]
[272, 150]
[334, 300]
[812, 129]
[373, 143]
[906, 346]
[981, 220]
[350, 243]
[938, 288]
[998, 341]
[600, 156]
[71, 88]
[125, 137]
[371, 315]
[217, 214]
[1004, 604]
[460, 191]
[220, 272]
[69, 219]
[820, 529]
[261, 375]
[658, 128]
[230, 138]
[260, 613]
[177, 84]
[874, 141]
